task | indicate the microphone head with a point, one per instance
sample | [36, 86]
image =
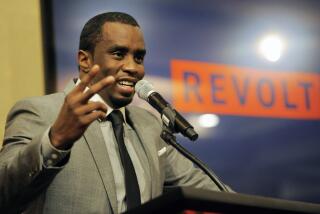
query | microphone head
[144, 89]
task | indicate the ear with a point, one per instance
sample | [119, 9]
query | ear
[85, 61]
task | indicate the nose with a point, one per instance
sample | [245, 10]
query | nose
[130, 66]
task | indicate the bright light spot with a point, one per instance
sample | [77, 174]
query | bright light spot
[271, 47]
[208, 120]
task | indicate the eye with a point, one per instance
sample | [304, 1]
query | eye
[139, 59]
[118, 54]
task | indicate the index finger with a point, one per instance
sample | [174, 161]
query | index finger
[95, 88]
[85, 81]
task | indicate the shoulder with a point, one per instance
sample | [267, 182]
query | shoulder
[30, 117]
[137, 109]
[41, 101]
[50, 102]
[142, 114]
[41, 105]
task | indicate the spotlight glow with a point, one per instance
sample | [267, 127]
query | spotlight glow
[208, 120]
[271, 47]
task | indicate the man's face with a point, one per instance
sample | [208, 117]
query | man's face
[120, 53]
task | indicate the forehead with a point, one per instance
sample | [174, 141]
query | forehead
[122, 34]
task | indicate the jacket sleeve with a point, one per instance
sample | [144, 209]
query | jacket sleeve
[22, 173]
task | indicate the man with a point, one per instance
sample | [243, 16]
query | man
[60, 151]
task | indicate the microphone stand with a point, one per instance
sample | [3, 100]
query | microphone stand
[167, 135]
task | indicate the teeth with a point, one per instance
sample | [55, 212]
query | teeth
[126, 83]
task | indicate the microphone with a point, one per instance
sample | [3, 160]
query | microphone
[168, 114]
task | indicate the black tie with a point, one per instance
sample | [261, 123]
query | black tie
[131, 182]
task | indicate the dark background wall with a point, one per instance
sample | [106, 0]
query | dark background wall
[257, 155]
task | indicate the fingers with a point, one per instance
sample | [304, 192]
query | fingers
[95, 88]
[84, 91]
[89, 118]
[86, 80]
[77, 112]
[90, 107]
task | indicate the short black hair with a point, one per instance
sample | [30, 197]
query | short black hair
[91, 32]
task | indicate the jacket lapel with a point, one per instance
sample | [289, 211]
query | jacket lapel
[144, 132]
[95, 141]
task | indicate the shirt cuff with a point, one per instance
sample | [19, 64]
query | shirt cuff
[51, 155]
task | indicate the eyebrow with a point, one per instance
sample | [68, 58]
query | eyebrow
[141, 52]
[118, 48]
[125, 49]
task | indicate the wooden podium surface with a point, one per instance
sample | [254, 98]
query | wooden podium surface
[190, 200]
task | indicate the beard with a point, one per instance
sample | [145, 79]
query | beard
[118, 103]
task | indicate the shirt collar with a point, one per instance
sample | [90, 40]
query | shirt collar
[98, 98]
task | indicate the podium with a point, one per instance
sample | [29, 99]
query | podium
[188, 200]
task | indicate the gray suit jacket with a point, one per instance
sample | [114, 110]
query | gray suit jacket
[84, 182]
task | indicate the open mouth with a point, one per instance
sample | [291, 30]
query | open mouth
[126, 86]
[126, 83]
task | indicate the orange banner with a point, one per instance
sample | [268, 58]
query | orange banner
[225, 89]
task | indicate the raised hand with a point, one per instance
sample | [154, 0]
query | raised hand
[77, 113]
